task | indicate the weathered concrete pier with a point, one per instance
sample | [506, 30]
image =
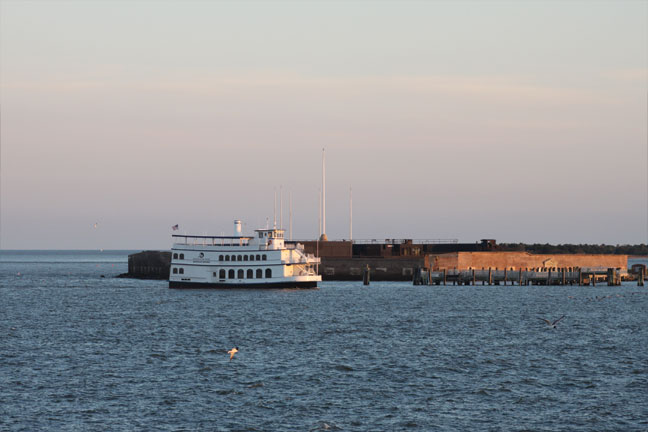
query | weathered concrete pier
[148, 265]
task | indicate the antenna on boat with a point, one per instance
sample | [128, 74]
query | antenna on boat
[280, 207]
[275, 209]
[290, 214]
[319, 213]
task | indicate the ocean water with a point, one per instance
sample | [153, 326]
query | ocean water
[82, 350]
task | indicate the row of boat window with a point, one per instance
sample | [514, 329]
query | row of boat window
[263, 257]
[242, 274]
[232, 274]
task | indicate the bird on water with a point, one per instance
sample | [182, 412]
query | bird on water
[552, 324]
[232, 352]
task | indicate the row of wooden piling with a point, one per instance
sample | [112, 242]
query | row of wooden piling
[548, 276]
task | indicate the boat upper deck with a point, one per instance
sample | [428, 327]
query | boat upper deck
[194, 240]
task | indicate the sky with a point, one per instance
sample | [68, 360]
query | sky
[516, 121]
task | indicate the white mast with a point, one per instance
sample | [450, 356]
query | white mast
[290, 214]
[319, 213]
[350, 214]
[280, 207]
[323, 194]
[275, 210]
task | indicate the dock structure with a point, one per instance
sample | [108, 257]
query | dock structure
[536, 276]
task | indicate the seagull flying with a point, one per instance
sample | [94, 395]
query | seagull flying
[552, 324]
[232, 352]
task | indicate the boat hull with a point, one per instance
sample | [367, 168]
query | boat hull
[269, 285]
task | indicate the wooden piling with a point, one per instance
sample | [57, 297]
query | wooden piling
[505, 276]
[610, 277]
[490, 276]
[640, 277]
[366, 275]
[444, 276]
[564, 276]
[473, 277]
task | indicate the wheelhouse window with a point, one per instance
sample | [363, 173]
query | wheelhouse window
[268, 273]
[175, 256]
[259, 273]
[250, 273]
[241, 274]
[230, 274]
[181, 256]
[175, 270]
[221, 274]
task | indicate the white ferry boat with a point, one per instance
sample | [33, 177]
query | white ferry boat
[260, 261]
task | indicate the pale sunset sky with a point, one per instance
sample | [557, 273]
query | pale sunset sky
[522, 121]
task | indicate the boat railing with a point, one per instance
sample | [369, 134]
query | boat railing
[195, 240]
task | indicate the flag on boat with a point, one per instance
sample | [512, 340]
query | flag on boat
[175, 227]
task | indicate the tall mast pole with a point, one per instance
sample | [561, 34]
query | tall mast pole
[319, 213]
[323, 192]
[274, 224]
[350, 214]
[290, 214]
[280, 207]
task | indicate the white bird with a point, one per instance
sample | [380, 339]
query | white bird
[550, 323]
[232, 352]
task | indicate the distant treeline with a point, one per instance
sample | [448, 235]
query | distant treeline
[546, 248]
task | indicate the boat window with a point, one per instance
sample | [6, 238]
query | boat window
[230, 274]
[258, 258]
[181, 271]
[264, 257]
[239, 258]
[175, 270]
[259, 273]
[245, 257]
[175, 256]
[260, 235]
[240, 274]
[268, 273]
[181, 256]
[220, 257]
[221, 274]
[251, 257]
[250, 273]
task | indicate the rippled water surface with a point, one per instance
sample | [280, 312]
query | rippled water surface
[79, 351]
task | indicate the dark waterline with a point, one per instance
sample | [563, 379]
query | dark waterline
[79, 351]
